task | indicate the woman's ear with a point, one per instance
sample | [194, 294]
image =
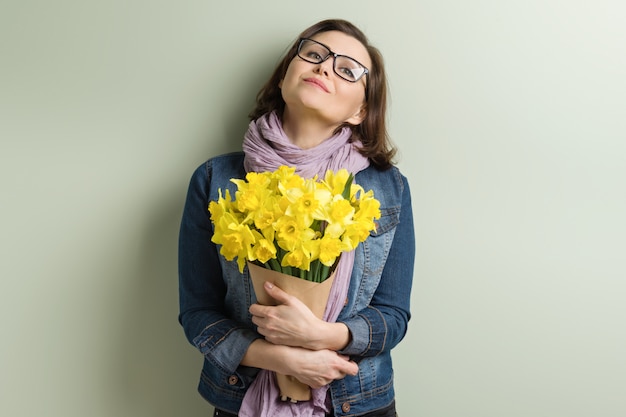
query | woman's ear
[358, 117]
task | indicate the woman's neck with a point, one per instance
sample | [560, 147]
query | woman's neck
[306, 132]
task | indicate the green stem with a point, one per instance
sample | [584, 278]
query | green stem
[324, 273]
[274, 265]
[287, 270]
[315, 271]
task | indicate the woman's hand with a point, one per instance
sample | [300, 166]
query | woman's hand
[317, 368]
[314, 368]
[291, 323]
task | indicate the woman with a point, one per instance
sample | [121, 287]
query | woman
[323, 108]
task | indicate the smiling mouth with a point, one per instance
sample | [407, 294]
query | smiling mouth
[316, 83]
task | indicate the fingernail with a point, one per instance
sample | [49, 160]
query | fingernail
[269, 285]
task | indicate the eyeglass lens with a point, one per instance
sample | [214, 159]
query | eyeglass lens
[344, 66]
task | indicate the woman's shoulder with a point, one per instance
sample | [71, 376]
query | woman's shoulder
[386, 178]
[228, 164]
[226, 161]
[388, 185]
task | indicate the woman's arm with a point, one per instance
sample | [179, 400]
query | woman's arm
[313, 368]
[291, 323]
[383, 324]
[202, 291]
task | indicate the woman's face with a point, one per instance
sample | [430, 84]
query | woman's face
[315, 90]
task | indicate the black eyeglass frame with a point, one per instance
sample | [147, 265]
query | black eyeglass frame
[335, 56]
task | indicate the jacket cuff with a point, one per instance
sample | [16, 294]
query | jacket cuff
[365, 340]
[228, 351]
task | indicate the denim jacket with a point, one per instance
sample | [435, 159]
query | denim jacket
[215, 297]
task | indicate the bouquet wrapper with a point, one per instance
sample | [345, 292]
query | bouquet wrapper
[313, 294]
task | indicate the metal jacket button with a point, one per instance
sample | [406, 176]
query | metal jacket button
[232, 380]
[345, 407]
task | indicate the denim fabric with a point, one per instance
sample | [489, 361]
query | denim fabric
[220, 413]
[389, 411]
[214, 296]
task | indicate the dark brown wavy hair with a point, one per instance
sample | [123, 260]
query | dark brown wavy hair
[372, 131]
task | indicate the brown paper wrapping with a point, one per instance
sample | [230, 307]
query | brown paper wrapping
[313, 294]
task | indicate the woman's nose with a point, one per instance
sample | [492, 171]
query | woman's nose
[325, 67]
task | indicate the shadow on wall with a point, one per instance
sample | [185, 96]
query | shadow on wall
[158, 369]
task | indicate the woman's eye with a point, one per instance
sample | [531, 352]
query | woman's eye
[314, 55]
[347, 72]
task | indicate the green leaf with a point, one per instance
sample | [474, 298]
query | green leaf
[346, 189]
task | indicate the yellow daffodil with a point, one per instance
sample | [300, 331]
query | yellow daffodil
[336, 181]
[339, 215]
[263, 251]
[330, 249]
[236, 240]
[291, 231]
[297, 258]
[221, 206]
[306, 201]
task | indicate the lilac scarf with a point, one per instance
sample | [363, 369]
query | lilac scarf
[267, 147]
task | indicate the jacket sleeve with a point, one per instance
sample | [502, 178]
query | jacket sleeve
[383, 323]
[202, 290]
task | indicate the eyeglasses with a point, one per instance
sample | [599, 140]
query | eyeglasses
[345, 67]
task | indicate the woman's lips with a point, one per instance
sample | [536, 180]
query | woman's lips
[317, 83]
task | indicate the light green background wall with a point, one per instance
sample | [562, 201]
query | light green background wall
[511, 119]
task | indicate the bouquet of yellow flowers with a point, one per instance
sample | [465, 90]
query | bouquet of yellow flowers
[285, 226]
[293, 225]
